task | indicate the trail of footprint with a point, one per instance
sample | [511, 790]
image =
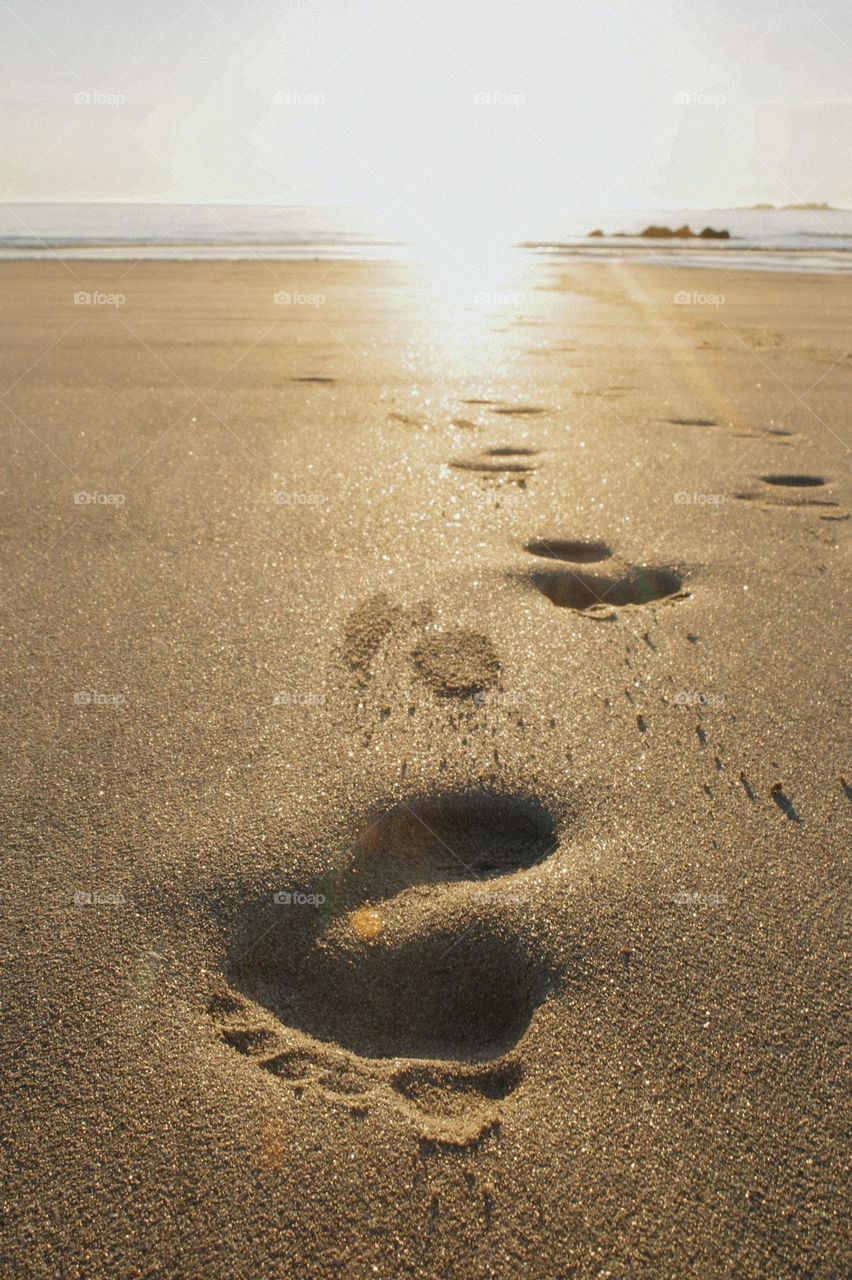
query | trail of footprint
[425, 1007]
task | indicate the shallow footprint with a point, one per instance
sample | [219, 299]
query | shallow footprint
[457, 664]
[367, 627]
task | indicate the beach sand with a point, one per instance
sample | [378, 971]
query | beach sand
[427, 768]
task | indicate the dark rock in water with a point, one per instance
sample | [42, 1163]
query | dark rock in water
[683, 233]
[668, 233]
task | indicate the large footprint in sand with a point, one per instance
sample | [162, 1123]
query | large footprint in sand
[412, 979]
[598, 594]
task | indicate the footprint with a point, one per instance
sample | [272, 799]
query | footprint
[785, 489]
[314, 377]
[794, 481]
[579, 551]
[599, 594]
[489, 465]
[423, 1012]
[407, 419]
[520, 410]
[455, 836]
[457, 663]
[367, 627]
[693, 422]
[511, 451]
[457, 1094]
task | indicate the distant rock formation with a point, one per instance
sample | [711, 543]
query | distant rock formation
[667, 233]
[812, 205]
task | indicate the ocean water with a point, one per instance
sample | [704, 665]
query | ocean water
[761, 239]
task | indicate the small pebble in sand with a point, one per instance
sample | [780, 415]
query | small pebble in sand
[366, 923]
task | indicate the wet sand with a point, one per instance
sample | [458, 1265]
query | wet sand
[428, 784]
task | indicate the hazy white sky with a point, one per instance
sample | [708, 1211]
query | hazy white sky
[515, 111]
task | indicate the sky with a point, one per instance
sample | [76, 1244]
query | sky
[505, 112]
